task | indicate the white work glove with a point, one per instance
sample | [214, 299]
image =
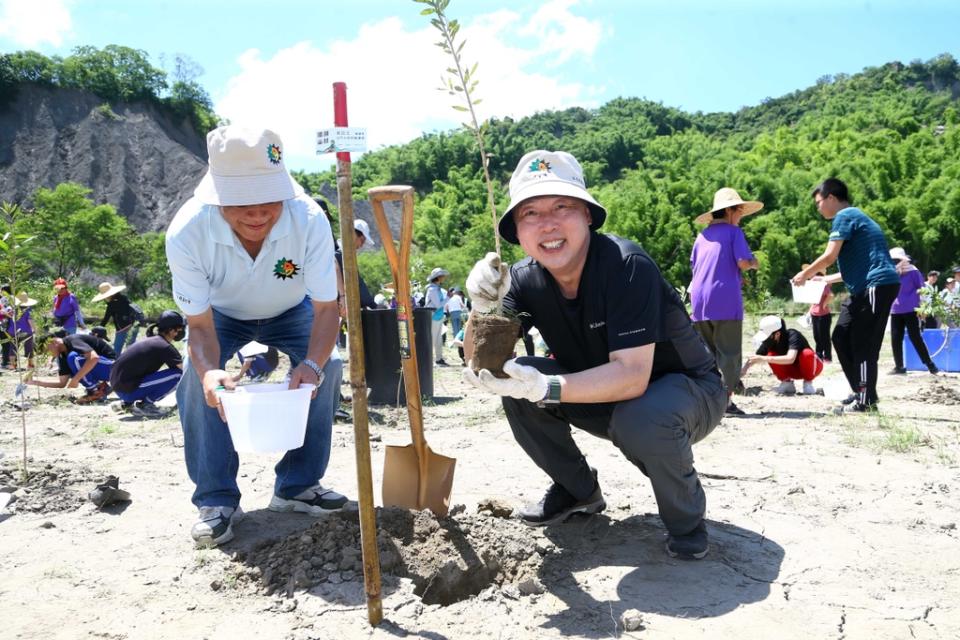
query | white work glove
[524, 383]
[488, 283]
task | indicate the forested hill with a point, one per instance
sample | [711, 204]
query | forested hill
[891, 132]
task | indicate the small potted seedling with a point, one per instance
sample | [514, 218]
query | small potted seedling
[493, 332]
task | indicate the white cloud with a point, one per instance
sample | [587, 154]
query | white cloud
[30, 23]
[392, 75]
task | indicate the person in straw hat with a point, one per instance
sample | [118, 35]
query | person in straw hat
[121, 311]
[719, 254]
[903, 314]
[20, 326]
[628, 366]
[434, 297]
[857, 244]
[250, 229]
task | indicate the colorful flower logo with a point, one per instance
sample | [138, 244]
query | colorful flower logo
[539, 165]
[285, 269]
[274, 154]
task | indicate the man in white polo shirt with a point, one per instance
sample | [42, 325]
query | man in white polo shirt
[252, 259]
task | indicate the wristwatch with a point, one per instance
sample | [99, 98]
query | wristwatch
[315, 368]
[553, 391]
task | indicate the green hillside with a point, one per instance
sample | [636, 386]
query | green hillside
[890, 132]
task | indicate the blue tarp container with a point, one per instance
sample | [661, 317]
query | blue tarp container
[943, 345]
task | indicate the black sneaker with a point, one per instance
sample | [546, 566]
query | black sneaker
[850, 399]
[340, 414]
[734, 410]
[441, 362]
[215, 526]
[932, 368]
[898, 371]
[558, 504]
[690, 546]
[146, 409]
[856, 407]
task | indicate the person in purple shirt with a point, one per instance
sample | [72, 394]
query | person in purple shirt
[66, 309]
[719, 254]
[21, 326]
[903, 314]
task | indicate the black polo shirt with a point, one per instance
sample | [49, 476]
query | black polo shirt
[83, 343]
[141, 359]
[789, 339]
[623, 302]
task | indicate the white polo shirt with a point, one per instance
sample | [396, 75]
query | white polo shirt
[211, 268]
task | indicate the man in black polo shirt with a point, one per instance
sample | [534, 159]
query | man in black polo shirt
[82, 359]
[629, 366]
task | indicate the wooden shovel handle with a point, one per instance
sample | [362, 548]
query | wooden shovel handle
[399, 267]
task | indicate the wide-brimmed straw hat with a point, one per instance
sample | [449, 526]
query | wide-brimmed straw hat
[23, 300]
[106, 290]
[727, 197]
[246, 167]
[436, 273]
[547, 173]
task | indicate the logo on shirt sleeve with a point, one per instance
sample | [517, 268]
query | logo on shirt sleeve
[285, 269]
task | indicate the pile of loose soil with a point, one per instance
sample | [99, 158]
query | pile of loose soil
[448, 559]
[48, 489]
[939, 391]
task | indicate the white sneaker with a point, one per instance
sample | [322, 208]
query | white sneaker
[215, 526]
[786, 388]
[808, 389]
[315, 501]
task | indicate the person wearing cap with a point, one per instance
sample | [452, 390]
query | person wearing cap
[362, 237]
[252, 259]
[454, 307]
[950, 297]
[927, 292]
[719, 254]
[138, 377]
[903, 314]
[66, 308]
[857, 244]
[83, 359]
[257, 364]
[120, 310]
[20, 326]
[627, 365]
[789, 355]
[434, 297]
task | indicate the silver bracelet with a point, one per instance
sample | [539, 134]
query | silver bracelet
[317, 369]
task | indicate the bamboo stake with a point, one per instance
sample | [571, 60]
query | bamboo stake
[358, 384]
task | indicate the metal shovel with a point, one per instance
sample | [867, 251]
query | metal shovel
[414, 477]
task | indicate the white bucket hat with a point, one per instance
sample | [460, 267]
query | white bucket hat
[897, 253]
[436, 273]
[364, 228]
[547, 173]
[727, 197]
[106, 290]
[768, 326]
[246, 167]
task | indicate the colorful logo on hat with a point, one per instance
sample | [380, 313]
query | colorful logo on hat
[539, 165]
[274, 154]
[285, 269]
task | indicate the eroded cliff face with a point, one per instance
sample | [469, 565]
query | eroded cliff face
[132, 155]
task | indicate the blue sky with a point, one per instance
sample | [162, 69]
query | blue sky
[273, 63]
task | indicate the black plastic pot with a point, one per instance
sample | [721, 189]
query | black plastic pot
[381, 354]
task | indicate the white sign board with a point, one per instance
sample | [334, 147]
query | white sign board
[341, 139]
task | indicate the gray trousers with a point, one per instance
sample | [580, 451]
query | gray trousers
[654, 432]
[725, 339]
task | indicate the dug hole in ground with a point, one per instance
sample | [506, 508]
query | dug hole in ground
[821, 526]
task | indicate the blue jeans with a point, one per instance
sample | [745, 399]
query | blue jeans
[212, 462]
[455, 322]
[120, 338]
[153, 386]
[99, 373]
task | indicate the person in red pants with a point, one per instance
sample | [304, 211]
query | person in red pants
[789, 355]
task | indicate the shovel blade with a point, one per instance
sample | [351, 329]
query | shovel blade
[401, 478]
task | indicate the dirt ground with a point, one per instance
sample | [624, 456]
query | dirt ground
[821, 526]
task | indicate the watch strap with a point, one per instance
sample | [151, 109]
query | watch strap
[553, 390]
[314, 366]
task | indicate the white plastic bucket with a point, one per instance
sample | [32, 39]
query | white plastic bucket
[811, 291]
[267, 417]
